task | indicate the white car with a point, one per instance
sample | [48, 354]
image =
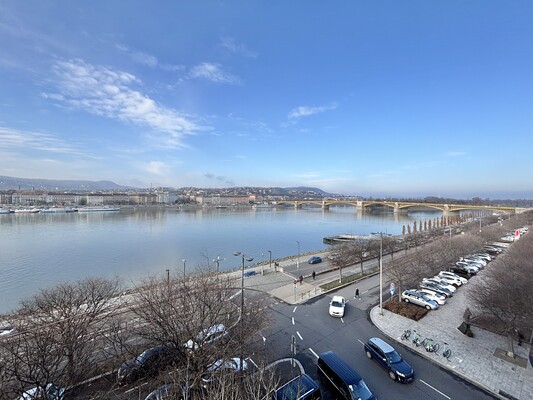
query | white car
[49, 392]
[336, 306]
[219, 366]
[472, 259]
[207, 336]
[440, 299]
[441, 283]
[450, 280]
[451, 274]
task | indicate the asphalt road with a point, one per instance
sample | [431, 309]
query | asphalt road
[315, 332]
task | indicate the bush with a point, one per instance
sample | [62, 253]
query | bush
[406, 310]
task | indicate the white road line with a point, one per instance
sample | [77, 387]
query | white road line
[366, 291]
[436, 390]
[311, 350]
[293, 320]
[342, 319]
[300, 336]
[294, 309]
[359, 340]
[252, 361]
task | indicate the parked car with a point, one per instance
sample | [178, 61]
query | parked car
[232, 365]
[336, 306]
[442, 283]
[436, 288]
[148, 363]
[314, 260]
[473, 268]
[453, 275]
[412, 296]
[250, 272]
[6, 329]
[48, 392]
[385, 355]
[207, 336]
[474, 260]
[440, 299]
[484, 256]
[462, 271]
[450, 280]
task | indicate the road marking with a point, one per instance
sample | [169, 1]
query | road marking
[342, 319]
[136, 388]
[359, 340]
[366, 291]
[294, 309]
[293, 320]
[436, 390]
[311, 350]
[300, 336]
[252, 361]
[235, 295]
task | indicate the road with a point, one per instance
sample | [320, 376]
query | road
[315, 332]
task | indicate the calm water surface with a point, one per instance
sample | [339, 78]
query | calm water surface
[40, 250]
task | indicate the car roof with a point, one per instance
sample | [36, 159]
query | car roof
[337, 298]
[342, 369]
[300, 385]
[387, 348]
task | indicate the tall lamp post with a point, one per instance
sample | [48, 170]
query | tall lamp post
[244, 257]
[298, 259]
[217, 262]
[184, 261]
[270, 260]
[381, 274]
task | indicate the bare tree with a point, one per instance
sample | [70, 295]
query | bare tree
[72, 313]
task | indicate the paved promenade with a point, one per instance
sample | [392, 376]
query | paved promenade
[480, 360]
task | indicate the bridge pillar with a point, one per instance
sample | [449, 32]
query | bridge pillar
[325, 206]
[297, 205]
[396, 208]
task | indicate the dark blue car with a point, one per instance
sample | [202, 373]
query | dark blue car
[385, 355]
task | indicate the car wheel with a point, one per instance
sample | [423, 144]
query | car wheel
[406, 300]
[392, 375]
[368, 354]
[428, 308]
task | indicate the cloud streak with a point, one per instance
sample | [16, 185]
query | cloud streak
[306, 111]
[109, 93]
[213, 72]
[12, 139]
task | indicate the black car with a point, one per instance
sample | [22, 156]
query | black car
[148, 363]
[388, 358]
[314, 260]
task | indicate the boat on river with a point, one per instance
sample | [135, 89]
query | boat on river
[5, 211]
[95, 209]
[27, 210]
[58, 209]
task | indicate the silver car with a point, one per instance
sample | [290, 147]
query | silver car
[412, 296]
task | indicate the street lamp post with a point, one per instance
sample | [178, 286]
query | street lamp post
[381, 274]
[217, 262]
[241, 312]
[270, 260]
[184, 261]
[298, 259]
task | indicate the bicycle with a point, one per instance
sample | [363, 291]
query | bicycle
[447, 352]
[430, 346]
[406, 334]
[417, 339]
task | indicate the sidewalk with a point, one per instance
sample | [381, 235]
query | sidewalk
[479, 360]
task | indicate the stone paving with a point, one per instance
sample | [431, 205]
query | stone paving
[473, 358]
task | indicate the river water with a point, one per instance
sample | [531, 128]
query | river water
[41, 250]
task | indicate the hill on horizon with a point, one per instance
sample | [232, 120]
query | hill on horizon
[7, 183]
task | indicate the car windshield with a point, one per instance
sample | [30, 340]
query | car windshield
[393, 357]
[360, 391]
[336, 304]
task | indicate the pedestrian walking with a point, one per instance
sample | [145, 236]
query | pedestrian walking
[313, 275]
[301, 279]
[357, 294]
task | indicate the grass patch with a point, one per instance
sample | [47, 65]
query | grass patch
[345, 281]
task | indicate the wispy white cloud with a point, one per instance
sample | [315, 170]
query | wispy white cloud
[213, 72]
[109, 93]
[305, 111]
[25, 141]
[139, 57]
[155, 167]
[307, 175]
[231, 45]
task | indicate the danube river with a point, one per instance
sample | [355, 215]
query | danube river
[41, 250]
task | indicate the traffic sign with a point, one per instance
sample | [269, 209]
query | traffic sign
[392, 288]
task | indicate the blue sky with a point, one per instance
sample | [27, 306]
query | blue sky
[374, 98]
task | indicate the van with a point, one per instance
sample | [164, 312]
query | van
[302, 387]
[336, 373]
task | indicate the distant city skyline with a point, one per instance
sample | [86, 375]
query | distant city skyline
[400, 99]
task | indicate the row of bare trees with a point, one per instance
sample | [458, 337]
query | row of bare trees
[75, 331]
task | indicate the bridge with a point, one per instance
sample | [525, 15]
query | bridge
[399, 206]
